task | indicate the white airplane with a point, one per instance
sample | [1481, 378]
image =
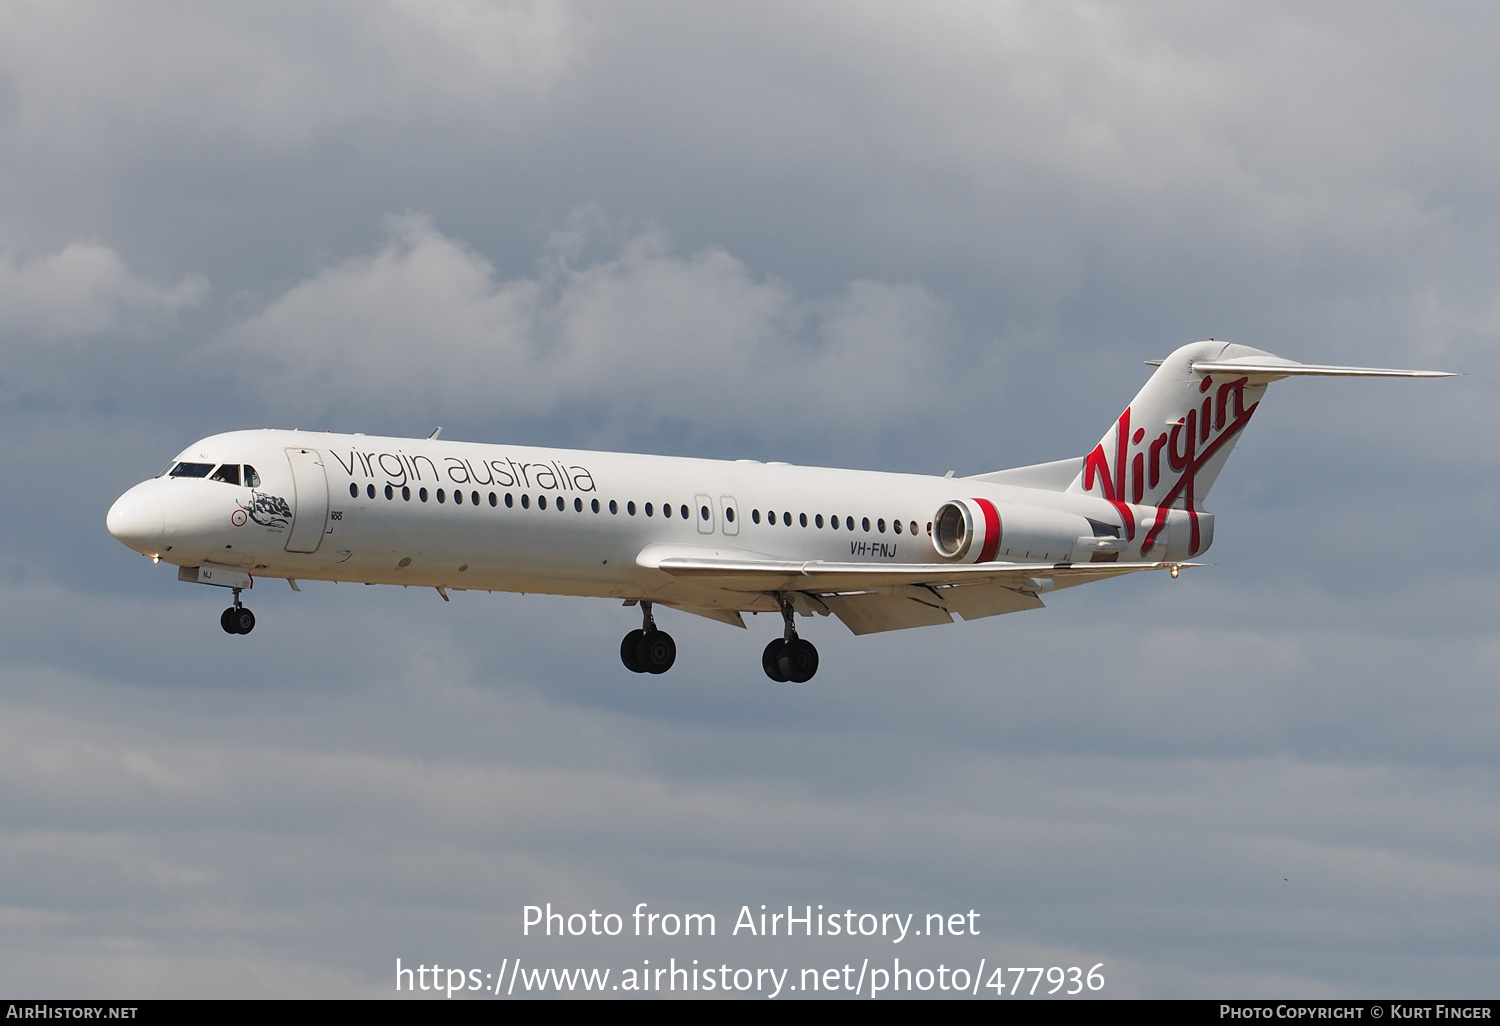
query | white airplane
[879, 551]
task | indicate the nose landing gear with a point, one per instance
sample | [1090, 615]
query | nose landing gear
[789, 658]
[237, 619]
[648, 650]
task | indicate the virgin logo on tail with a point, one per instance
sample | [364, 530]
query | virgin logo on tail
[1136, 473]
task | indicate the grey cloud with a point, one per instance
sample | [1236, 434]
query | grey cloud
[272, 77]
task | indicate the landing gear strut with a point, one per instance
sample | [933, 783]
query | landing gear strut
[237, 619]
[789, 658]
[648, 650]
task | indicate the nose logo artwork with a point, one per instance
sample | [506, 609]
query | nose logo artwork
[265, 510]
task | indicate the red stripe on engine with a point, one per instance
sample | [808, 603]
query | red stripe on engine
[991, 531]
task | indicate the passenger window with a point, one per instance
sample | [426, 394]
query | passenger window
[755, 516]
[801, 519]
[880, 525]
[252, 479]
[833, 522]
[405, 493]
[729, 513]
[577, 505]
[422, 494]
[849, 523]
[630, 507]
[613, 508]
[684, 512]
[509, 502]
[771, 517]
[493, 501]
[439, 495]
[229, 473]
[370, 490]
[865, 523]
[389, 492]
[458, 497]
[192, 469]
[786, 518]
[594, 505]
[897, 525]
[525, 501]
[818, 520]
[353, 490]
[648, 509]
[666, 510]
[913, 528]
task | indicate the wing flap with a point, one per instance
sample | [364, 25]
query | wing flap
[874, 612]
[973, 603]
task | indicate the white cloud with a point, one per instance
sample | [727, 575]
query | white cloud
[83, 289]
[425, 323]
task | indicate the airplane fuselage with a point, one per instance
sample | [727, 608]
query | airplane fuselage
[460, 515]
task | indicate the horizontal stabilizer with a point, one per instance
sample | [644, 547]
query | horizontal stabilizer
[1274, 369]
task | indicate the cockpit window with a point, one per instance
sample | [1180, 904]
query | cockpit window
[252, 479]
[229, 473]
[192, 469]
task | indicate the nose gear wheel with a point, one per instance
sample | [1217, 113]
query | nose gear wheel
[237, 619]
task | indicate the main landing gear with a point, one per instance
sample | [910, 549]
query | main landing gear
[789, 658]
[648, 650]
[237, 619]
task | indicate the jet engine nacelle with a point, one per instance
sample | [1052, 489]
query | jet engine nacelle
[979, 531]
[966, 530]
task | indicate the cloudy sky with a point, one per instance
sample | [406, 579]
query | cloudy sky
[915, 237]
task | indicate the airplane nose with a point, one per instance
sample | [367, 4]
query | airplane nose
[137, 518]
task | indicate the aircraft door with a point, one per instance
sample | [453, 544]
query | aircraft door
[311, 517]
[704, 513]
[729, 514]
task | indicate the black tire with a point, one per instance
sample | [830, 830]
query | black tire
[244, 621]
[226, 621]
[656, 652]
[770, 660]
[628, 649]
[798, 661]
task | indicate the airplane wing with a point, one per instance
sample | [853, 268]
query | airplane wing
[870, 598]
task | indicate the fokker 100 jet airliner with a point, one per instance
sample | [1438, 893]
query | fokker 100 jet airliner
[879, 551]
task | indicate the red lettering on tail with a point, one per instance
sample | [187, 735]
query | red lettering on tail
[1190, 443]
[1112, 482]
